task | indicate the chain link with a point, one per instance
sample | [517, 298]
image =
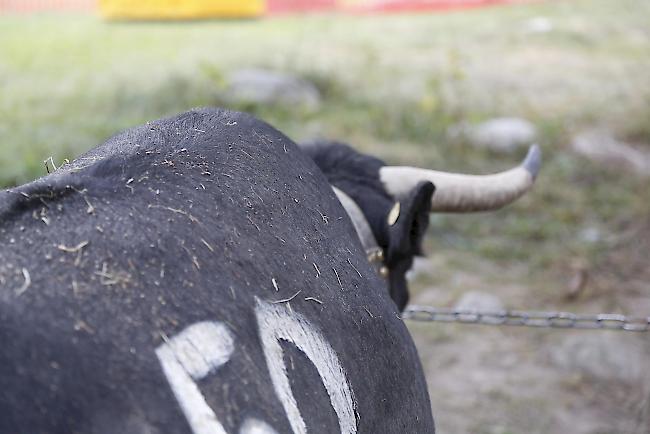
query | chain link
[558, 320]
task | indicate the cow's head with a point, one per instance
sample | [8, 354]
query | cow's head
[389, 205]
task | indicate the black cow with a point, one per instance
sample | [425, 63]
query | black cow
[197, 274]
[390, 206]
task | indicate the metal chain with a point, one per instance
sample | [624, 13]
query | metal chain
[559, 320]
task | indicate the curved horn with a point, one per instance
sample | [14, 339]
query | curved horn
[466, 193]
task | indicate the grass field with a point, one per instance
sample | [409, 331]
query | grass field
[393, 85]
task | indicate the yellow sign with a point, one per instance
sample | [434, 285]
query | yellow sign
[180, 9]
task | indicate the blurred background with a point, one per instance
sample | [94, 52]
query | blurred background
[457, 85]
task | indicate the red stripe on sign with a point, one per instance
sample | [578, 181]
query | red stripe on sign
[27, 6]
[283, 6]
[428, 5]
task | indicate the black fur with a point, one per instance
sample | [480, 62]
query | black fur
[357, 175]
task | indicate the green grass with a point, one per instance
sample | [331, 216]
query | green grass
[392, 85]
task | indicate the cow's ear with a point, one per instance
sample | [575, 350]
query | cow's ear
[408, 221]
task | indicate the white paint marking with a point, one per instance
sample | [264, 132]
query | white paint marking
[279, 322]
[256, 426]
[189, 356]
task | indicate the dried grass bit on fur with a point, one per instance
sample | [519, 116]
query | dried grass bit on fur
[74, 249]
[286, 300]
[28, 282]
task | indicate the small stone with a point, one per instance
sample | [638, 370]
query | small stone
[477, 300]
[601, 147]
[421, 267]
[608, 356]
[260, 86]
[538, 25]
[500, 134]
[590, 235]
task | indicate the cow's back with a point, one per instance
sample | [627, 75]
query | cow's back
[192, 274]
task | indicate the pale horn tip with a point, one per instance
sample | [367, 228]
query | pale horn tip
[533, 160]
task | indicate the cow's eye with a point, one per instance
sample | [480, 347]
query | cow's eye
[393, 215]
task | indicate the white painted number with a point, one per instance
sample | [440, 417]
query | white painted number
[256, 426]
[202, 347]
[280, 322]
[189, 356]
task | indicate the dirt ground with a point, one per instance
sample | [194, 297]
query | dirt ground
[499, 380]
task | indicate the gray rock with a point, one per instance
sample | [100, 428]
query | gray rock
[601, 147]
[604, 355]
[477, 300]
[591, 235]
[538, 25]
[421, 266]
[499, 134]
[266, 87]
